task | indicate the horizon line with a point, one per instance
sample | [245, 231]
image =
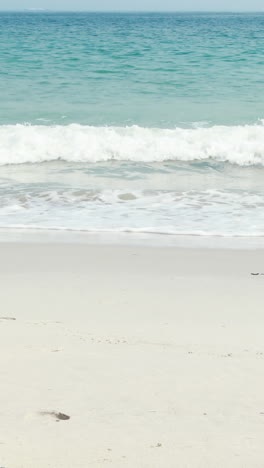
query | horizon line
[49, 10]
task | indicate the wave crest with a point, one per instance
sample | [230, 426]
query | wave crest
[242, 145]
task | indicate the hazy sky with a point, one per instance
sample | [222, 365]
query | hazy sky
[147, 5]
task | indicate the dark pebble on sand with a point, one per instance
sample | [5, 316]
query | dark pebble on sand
[61, 416]
[58, 416]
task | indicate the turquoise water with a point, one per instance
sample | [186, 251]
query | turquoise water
[132, 122]
[150, 69]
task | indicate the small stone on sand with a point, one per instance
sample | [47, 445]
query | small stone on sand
[58, 416]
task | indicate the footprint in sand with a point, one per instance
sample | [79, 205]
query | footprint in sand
[57, 416]
[7, 318]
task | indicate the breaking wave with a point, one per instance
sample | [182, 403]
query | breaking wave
[241, 145]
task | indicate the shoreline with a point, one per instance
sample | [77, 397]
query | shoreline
[155, 354]
[49, 236]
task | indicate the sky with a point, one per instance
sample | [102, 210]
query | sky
[139, 5]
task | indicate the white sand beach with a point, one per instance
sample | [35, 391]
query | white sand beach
[156, 354]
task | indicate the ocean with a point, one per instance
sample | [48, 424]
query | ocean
[140, 123]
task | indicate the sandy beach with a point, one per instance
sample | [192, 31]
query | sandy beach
[131, 234]
[155, 354]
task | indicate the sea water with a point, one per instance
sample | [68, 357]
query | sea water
[147, 123]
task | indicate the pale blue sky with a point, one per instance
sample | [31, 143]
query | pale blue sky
[147, 5]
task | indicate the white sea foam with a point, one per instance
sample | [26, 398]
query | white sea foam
[242, 145]
[210, 212]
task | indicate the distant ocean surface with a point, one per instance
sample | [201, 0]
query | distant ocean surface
[150, 123]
